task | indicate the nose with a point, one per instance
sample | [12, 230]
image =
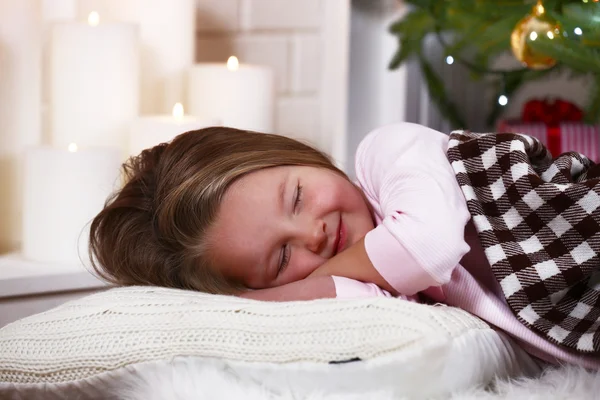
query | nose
[315, 236]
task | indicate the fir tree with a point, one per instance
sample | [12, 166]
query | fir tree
[481, 30]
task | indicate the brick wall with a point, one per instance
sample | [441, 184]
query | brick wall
[283, 34]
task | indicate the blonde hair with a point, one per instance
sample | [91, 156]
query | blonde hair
[153, 231]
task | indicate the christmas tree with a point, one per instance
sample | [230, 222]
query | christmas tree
[545, 37]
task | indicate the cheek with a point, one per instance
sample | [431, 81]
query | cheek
[331, 198]
[350, 200]
[304, 263]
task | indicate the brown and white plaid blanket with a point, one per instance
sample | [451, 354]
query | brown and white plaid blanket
[538, 220]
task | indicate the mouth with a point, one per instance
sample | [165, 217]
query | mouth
[340, 239]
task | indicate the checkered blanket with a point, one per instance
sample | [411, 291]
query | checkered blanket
[538, 220]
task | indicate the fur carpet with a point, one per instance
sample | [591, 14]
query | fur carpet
[192, 382]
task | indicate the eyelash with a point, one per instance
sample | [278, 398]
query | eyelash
[298, 196]
[285, 259]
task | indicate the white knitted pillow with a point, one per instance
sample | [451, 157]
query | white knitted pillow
[85, 346]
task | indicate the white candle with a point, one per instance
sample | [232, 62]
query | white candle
[59, 10]
[64, 190]
[53, 11]
[241, 96]
[94, 82]
[149, 131]
[167, 35]
[20, 105]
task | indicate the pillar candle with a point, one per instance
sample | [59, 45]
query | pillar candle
[58, 10]
[20, 105]
[167, 37]
[94, 76]
[148, 131]
[240, 95]
[63, 191]
[53, 11]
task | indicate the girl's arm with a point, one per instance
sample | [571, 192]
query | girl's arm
[311, 288]
[404, 172]
[317, 287]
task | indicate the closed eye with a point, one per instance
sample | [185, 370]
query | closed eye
[286, 250]
[285, 258]
[298, 199]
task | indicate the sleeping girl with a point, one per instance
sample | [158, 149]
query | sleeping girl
[266, 217]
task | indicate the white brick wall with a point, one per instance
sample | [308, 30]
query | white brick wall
[283, 34]
[298, 117]
[306, 63]
[217, 15]
[280, 14]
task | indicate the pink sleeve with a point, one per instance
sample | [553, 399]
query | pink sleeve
[346, 288]
[404, 172]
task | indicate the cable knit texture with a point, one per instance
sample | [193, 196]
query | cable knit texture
[124, 326]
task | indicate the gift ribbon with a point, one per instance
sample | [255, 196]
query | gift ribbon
[554, 144]
[552, 114]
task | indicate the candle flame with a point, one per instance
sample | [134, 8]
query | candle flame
[232, 63]
[93, 18]
[178, 110]
[72, 147]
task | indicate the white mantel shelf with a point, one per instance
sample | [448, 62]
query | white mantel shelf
[20, 277]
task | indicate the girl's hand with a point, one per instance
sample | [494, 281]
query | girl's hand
[353, 263]
[310, 288]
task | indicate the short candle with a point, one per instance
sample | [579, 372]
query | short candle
[149, 131]
[240, 95]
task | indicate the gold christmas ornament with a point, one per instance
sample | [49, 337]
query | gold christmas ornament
[534, 25]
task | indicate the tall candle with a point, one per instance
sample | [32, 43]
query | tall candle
[94, 82]
[64, 189]
[20, 105]
[148, 131]
[241, 96]
[59, 10]
[53, 11]
[167, 35]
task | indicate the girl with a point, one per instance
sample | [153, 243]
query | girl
[263, 216]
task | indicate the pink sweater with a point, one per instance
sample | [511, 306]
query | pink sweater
[424, 241]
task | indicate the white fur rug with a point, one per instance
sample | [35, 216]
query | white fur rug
[185, 381]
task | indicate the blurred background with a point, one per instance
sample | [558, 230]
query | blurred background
[86, 83]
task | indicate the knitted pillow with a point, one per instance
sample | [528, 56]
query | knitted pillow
[84, 348]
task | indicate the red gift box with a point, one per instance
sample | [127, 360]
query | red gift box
[568, 136]
[557, 125]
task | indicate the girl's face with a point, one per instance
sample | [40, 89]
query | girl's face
[277, 225]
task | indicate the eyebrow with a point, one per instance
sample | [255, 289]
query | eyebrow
[282, 187]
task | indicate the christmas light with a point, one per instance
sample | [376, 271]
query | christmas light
[533, 36]
[539, 8]
[503, 100]
[578, 31]
[449, 60]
